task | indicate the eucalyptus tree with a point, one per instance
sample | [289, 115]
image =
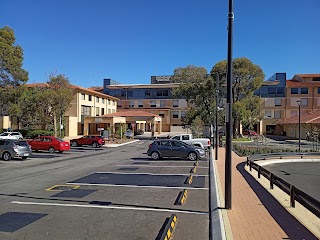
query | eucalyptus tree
[197, 87]
[247, 77]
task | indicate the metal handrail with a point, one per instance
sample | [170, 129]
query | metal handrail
[296, 194]
[281, 155]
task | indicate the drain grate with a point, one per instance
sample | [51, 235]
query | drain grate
[62, 187]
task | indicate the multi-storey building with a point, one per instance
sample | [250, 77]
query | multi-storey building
[86, 103]
[155, 98]
[280, 108]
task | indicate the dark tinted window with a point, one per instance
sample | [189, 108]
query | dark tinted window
[2, 142]
[21, 143]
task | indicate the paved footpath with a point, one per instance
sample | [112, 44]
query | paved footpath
[255, 213]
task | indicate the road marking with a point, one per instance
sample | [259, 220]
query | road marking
[154, 174]
[111, 207]
[118, 185]
[136, 165]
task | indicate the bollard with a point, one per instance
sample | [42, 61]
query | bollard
[259, 169]
[271, 180]
[292, 196]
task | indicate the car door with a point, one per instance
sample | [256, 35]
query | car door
[178, 149]
[164, 148]
[36, 143]
[2, 147]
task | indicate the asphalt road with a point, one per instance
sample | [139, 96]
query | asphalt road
[113, 193]
[305, 176]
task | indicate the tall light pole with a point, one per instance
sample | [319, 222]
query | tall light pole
[229, 110]
[299, 104]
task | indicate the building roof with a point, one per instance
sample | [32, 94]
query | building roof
[313, 117]
[308, 75]
[296, 83]
[80, 89]
[130, 113]
[165, 85]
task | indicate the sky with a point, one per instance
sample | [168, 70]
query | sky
[130, 41]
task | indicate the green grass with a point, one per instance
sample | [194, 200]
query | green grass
[242, 139]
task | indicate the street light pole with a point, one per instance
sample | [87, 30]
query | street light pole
[229, 110]
[299, 133]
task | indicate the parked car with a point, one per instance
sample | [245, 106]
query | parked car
[128, 133]
[188, 138]
[174, 148]
[94, 141]
[49, 143]
[138, 132]
[11, 135]
[249, 132]
[14, 148]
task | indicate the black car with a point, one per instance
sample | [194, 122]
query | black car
[174, 148]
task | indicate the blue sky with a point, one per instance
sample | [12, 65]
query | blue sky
[129, 41]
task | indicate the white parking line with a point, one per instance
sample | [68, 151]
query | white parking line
[118, 185]
[110, 207]
[136, 165]
[154, 174]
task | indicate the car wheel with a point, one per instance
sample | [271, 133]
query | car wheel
[24, 158]
[192, 156]
[74, 144]
[6, 156]
[155, 155]
[51, 150]
[95, 144]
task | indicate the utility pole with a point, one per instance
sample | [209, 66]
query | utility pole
[229, 111]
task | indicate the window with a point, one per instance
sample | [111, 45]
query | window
[90, 98]
[152, 103]
[318, 89]
[108, 101]
[267, 114]
[304, 102]
[294, 90]
[277, 102]
[109, 110]
[83, 96]
[97, 99]
[175, 103]
[162, 103]
[148, 93]
[277, 114]
[102, 100]
[175, 114]
[97, 111]
[271, 90]
[183, 114]
[185, 137]
[304, 90]
[140, 103]
[85, 110]
[102, 111]
[131, 104]
[161, 114]
[113, 103]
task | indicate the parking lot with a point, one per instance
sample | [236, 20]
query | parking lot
[101, 193]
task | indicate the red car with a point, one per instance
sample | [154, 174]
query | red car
[94, 141]
[49, 143]
[249, 132]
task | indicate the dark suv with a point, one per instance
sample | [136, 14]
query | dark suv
[174, 148]
[94, 141]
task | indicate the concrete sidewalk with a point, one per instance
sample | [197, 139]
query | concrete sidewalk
[255, 213]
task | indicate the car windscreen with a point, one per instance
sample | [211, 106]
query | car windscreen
[59, 139]
[21, 143]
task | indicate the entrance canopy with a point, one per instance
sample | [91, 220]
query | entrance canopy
[309, 118]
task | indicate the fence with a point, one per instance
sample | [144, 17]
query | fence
[296, 194]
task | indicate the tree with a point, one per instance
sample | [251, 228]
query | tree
[247, 77]
[197, 87]
[61, 96]
[11, 58]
